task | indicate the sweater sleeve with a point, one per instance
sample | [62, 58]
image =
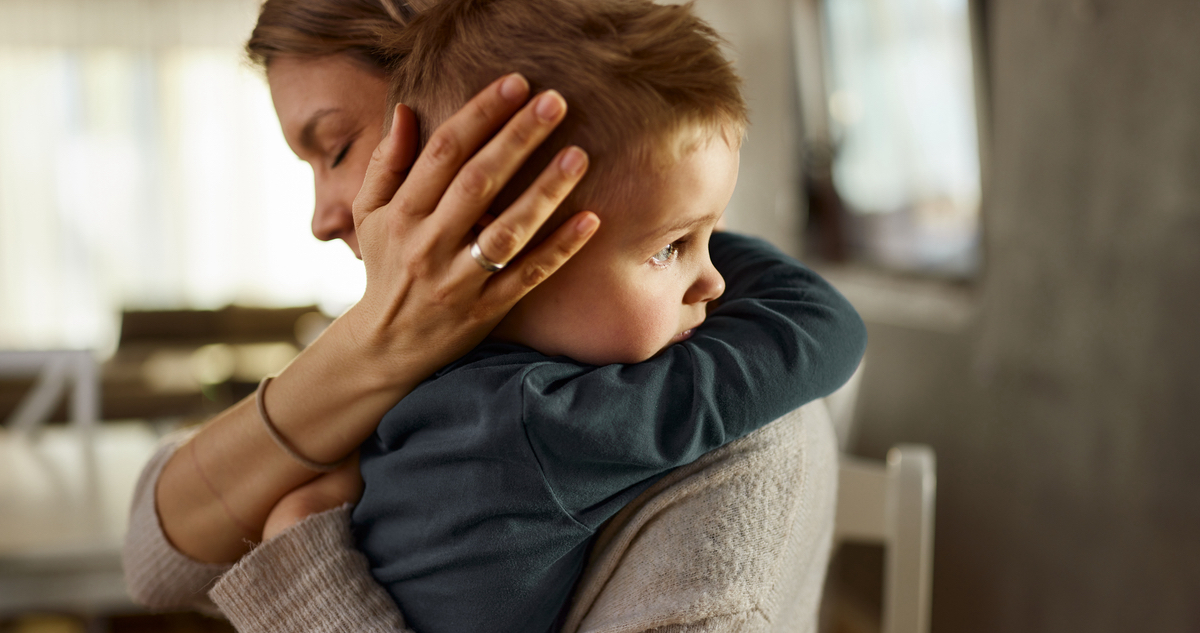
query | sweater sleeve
[309, 579]
[781, 337]
[156, 574]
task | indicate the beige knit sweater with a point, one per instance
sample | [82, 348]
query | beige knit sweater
[736, 541]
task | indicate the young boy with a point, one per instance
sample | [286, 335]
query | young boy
[485, 485]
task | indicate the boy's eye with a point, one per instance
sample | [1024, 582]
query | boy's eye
[666, 254]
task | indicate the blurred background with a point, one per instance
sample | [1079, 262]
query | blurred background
[1009, 192]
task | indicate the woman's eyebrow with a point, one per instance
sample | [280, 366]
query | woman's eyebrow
[308, 134]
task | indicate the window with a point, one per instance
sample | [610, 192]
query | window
[141, 166]
[893, 167]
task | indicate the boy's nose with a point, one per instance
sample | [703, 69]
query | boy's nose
[709, 285]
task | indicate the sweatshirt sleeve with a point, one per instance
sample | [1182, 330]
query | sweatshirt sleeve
[781, 337]
[156, 574]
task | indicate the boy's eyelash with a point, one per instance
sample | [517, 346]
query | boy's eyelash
[342, 155]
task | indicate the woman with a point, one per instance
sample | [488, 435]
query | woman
[429, 295]
[421, 285]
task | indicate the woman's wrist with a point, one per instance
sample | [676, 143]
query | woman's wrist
[358, 344]
[329, 399]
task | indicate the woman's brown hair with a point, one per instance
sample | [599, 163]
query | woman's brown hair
[318, 28]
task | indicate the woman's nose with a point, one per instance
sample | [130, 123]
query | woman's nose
[709, 285]
[332, 220]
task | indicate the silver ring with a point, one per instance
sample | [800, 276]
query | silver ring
[484, 262]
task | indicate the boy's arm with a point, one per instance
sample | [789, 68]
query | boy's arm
[781, 337]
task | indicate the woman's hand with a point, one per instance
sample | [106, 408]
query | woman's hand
[415, 233]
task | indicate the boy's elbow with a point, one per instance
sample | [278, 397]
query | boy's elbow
[857, 335]
[852, 343]
[835, 348]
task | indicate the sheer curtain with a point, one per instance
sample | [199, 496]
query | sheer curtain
[141, 166]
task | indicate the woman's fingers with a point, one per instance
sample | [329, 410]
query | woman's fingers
[455, 140]
[486, 173]
[505, 236]
[535, 266]
[390, 161]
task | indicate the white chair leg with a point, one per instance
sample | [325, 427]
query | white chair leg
[85, 400]
[39, 403]
[54, 370]
[909, 563]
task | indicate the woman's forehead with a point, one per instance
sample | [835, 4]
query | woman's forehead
[306, 88]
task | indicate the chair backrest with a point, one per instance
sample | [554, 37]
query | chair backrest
[892, 503]
[54, 370]
[842, 405]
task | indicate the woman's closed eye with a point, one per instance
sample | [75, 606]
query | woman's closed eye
[341, 155]
[666, 255]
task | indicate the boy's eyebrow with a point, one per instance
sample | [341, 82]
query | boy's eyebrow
[308, 134]
[686, 225]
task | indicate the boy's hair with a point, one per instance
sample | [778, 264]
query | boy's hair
[640, 80]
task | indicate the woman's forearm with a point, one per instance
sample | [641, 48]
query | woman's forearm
[214, 495]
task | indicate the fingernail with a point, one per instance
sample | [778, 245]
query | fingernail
[550, 106]
[514, 87]
[393, 129]
[573, 160]
[587, 223]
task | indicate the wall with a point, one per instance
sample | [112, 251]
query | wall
[1066, 414]
[766, 202]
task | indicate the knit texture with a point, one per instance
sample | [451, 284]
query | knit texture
[156, 574]
[736, 541]
[308, 578]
